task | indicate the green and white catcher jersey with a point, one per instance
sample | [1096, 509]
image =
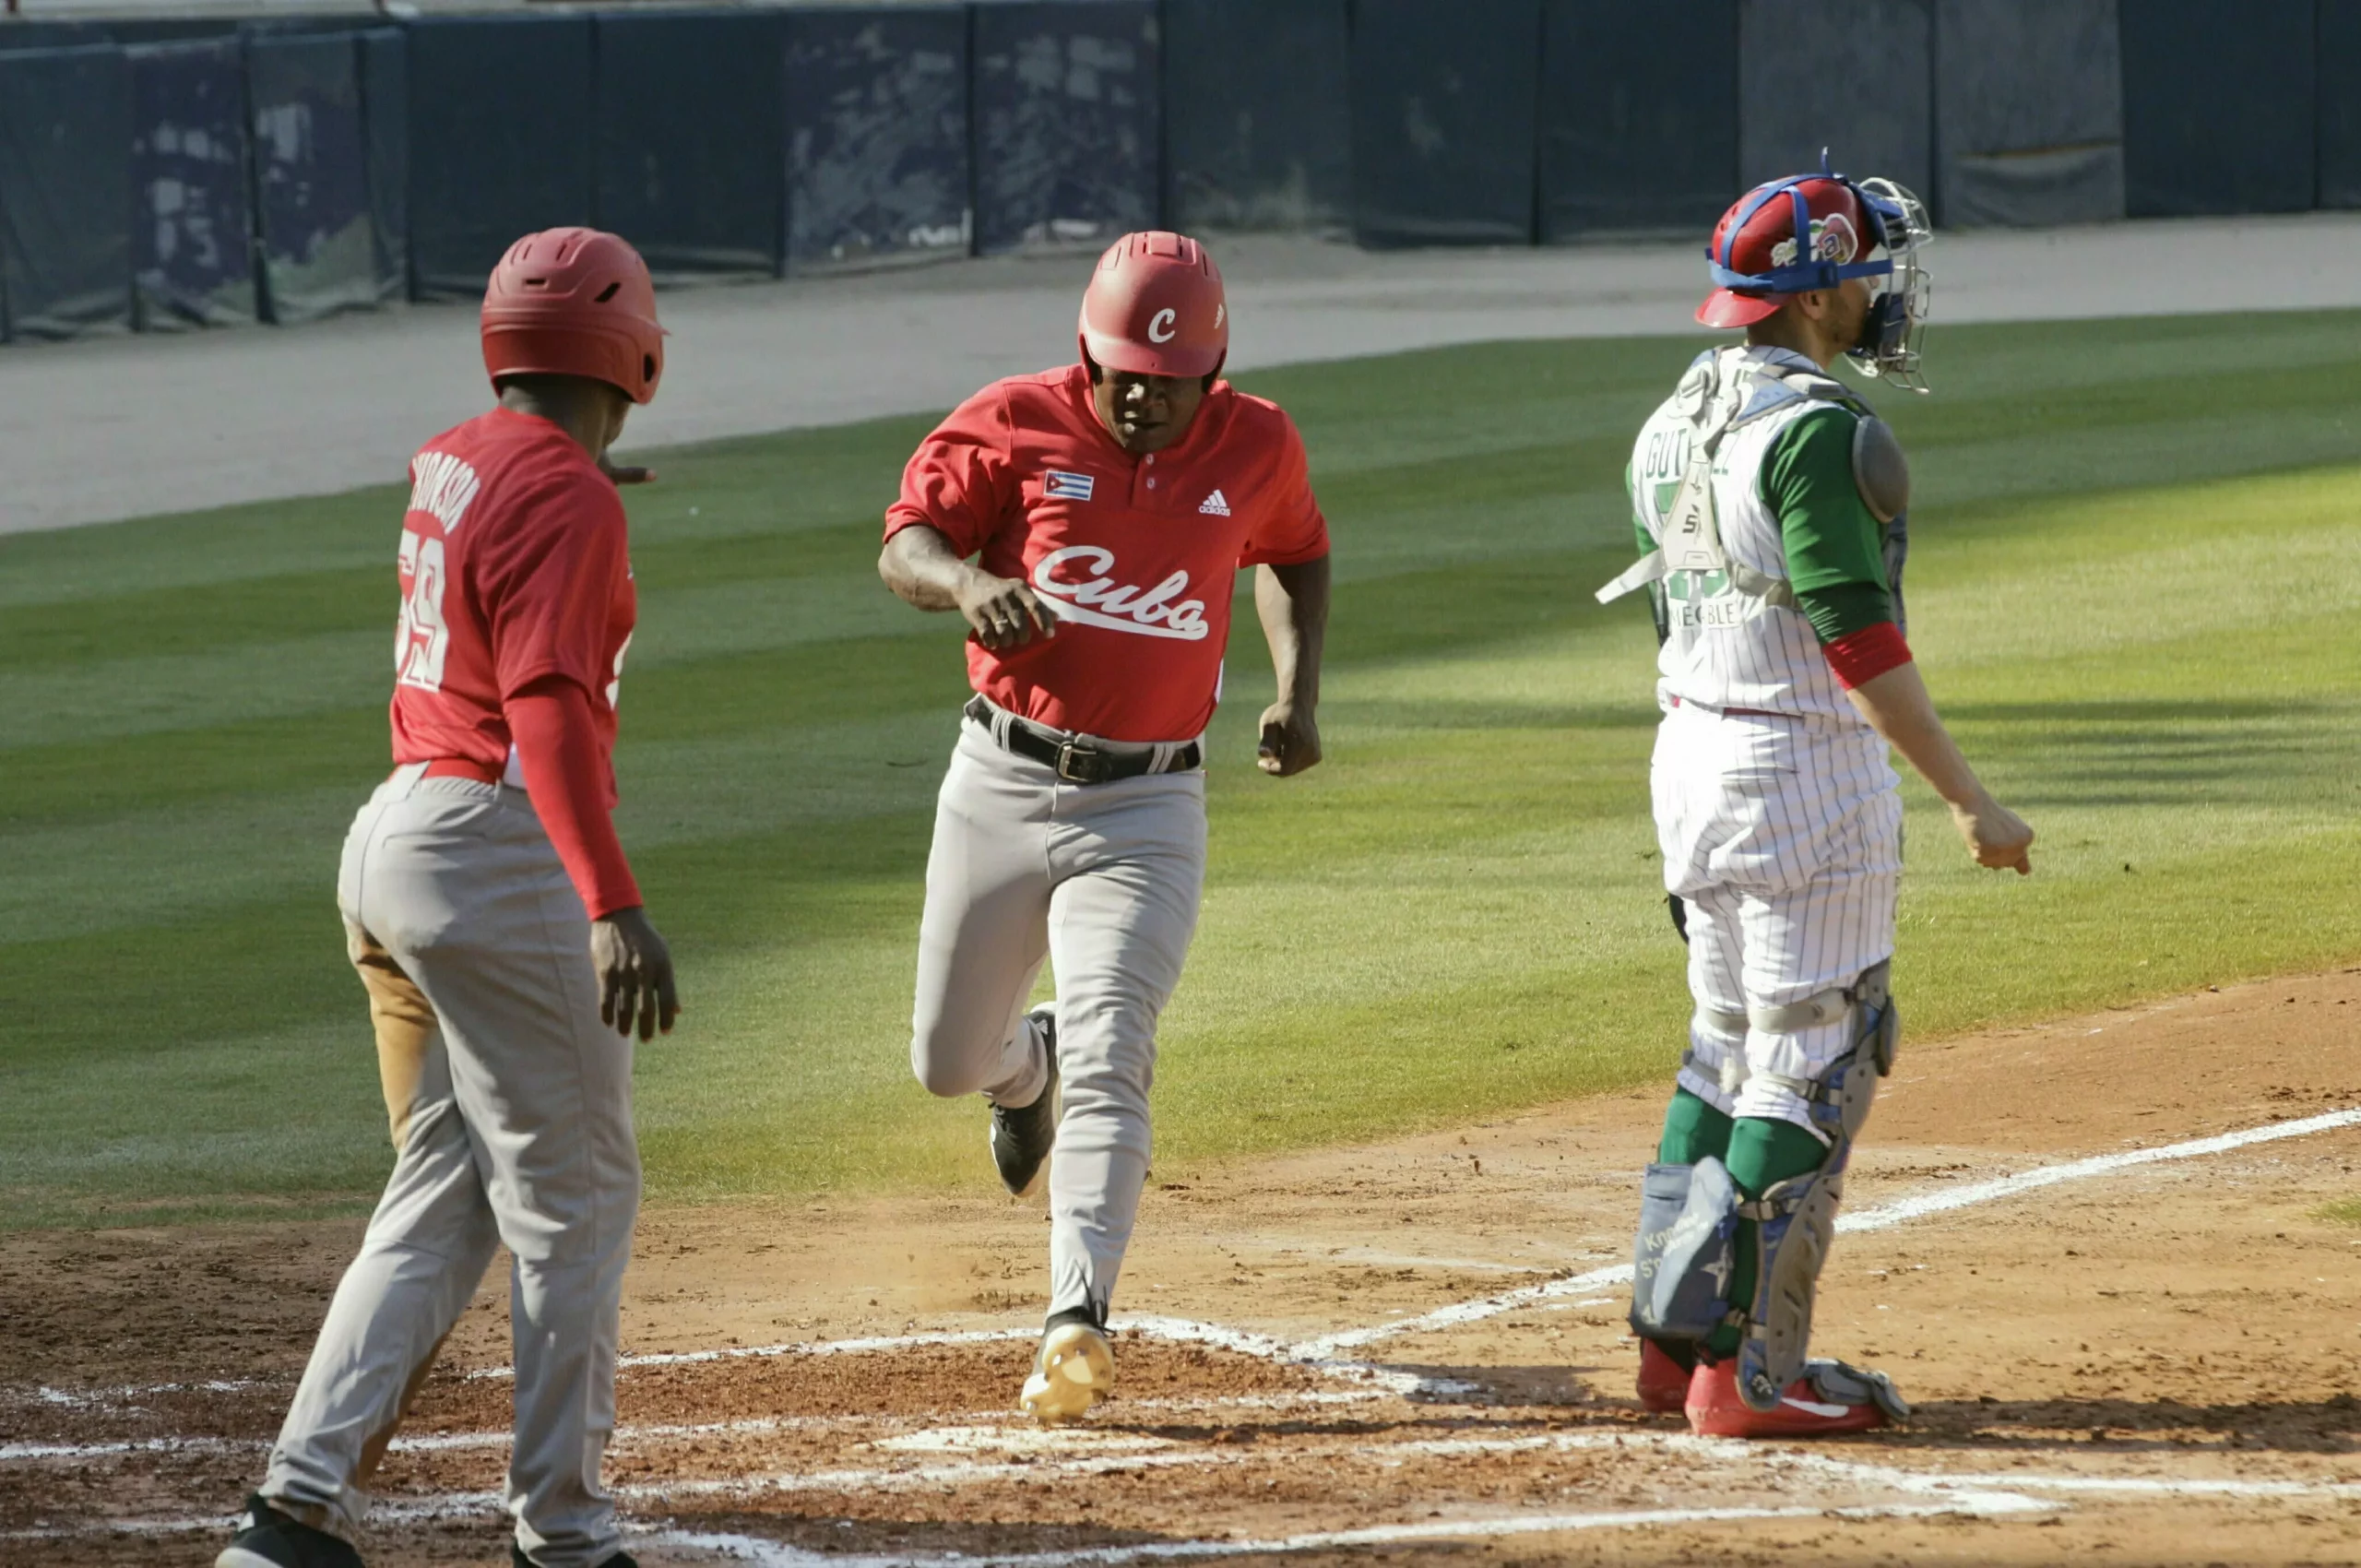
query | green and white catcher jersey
[1733, 637]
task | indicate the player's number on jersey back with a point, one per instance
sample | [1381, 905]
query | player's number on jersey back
[422, 639]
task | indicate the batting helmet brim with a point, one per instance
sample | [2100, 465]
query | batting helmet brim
[1141, 358]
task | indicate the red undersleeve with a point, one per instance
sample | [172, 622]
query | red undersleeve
[1858, 658]
[564, 773]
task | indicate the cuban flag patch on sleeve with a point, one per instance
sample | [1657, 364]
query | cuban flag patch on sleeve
[1059, 485]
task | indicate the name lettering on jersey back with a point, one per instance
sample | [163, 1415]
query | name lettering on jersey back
[441, 486]
[1119, 607]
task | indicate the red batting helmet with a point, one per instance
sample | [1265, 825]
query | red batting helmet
[573, 301]
[1154, 307]
[1757, 264]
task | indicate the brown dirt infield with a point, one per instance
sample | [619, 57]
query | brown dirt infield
[2151, 1364]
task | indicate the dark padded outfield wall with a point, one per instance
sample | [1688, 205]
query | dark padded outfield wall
[319, 245]
[1258, 120]
[2218, 106]
[688, 119]
[1855, 77]
[1444, 100]
[385, 116]
[1067, 122]
[2340, 105]
[52, 35]
[191, 234]
[1639, 116]
[64, 191]
[502, 137]
[2029, 111]
[877, 165]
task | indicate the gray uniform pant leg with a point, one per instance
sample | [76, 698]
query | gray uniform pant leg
[1104, 880]
[519, 1131]
[985, 931]
[1131, 869]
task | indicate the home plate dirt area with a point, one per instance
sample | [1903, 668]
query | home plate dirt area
[2097, 1255]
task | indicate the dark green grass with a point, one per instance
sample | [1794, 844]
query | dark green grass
[2136, 571]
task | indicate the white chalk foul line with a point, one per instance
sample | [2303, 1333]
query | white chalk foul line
[775, 1554]
[1943, 1492]
[802, 1348]
[1883, 1218]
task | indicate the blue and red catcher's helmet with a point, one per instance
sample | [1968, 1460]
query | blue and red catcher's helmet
[1757, 261]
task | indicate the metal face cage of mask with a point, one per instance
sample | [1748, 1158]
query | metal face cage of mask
[1893, 334]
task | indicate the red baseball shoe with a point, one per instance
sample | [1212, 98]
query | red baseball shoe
[1664, 1381]
[1829, 1399]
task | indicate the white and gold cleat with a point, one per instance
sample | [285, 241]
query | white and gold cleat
[1074, 1369]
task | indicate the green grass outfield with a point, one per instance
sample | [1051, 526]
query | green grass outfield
[2137, 567]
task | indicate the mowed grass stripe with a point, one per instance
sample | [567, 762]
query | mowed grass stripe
[1456, 916]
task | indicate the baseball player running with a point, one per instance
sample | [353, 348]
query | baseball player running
[1769, 501]
[494, 921]
[1088, 523]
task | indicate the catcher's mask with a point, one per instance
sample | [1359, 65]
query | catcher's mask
[1801, 259]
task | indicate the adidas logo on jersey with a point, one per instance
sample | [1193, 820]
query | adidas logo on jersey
[1215, 505]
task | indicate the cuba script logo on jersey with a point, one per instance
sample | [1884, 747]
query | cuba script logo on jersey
[1119, 607]
[1059, 485]
[441, 486]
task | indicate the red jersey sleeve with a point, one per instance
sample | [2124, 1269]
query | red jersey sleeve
[961, 480]
[557, 742]
[548, 581]
[1290, 530]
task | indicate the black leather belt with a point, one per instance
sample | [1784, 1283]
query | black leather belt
[1075, 760]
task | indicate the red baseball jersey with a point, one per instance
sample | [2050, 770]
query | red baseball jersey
[1136, 555]
[514, 567]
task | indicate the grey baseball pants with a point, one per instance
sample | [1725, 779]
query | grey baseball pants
[511, 1108]
[1103, 880]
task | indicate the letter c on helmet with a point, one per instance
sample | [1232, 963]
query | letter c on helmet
[1160, 326]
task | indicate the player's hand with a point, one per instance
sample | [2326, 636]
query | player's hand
[635, 974]
[625, 473]
[1996, 836]
[1005, 613]
[1290, 740]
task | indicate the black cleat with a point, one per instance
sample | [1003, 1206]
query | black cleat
[267, 1539]
[518, 1558]
[1022, 1136]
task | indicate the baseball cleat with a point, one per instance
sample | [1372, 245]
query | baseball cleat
[517, 1558]
[1831, 1399]
[1663, 1379]
[1022, 1135]
[1074, 1370]
[267, 1539]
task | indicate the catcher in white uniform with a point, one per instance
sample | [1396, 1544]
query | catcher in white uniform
[1770, 502]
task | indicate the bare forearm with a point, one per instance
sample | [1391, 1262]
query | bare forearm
[919, 564]
[1897, 708]
[923, 571]
[1292, 603]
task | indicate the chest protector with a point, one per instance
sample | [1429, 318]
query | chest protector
[1722, 392]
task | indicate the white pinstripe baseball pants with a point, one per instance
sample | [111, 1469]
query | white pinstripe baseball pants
[1783, 838]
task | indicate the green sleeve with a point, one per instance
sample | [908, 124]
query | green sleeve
[1835, 548]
